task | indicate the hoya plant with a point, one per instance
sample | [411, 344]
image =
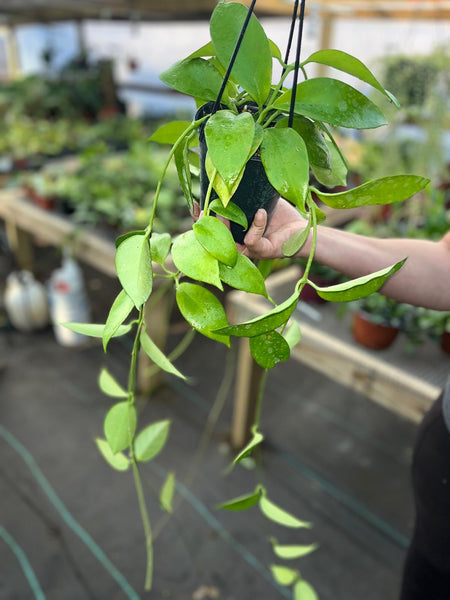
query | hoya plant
[254, 138]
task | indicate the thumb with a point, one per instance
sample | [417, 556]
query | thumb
[257, 228]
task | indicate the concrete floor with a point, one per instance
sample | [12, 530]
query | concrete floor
[330, 457]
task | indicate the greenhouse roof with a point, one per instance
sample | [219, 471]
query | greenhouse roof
[14, 12]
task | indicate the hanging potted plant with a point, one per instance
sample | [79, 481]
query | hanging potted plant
[244, 119]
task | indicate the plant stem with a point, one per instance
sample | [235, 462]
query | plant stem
[145, 523]
[132, 377]
[262, 387]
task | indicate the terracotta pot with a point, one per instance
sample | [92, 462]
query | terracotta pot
[372, 335]
[445, 342]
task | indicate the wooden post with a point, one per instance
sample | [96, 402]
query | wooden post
[157, 320]
[325, 39]
[21, 246]
[248, 381]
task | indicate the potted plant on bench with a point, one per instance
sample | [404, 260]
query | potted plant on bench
[244, 119]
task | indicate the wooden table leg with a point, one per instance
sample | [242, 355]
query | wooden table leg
[248, 381]
[157, 319]
[21, 246]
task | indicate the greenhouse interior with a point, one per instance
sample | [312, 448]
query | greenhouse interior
[156, 324]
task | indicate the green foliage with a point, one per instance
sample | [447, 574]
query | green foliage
[250, 123]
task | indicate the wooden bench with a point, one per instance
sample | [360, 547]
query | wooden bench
[390, 378]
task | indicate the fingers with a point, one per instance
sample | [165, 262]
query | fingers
[257, 228]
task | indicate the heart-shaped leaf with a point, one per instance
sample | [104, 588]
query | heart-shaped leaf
[385, 190]
[202, 310]
[335, 176]
[220, 187]
[216, 238]
[134, 268]
[120, 425]
[296, 241]
[253, 67]
[293, 334]
[285, 160]
[184, 171]
[150, 441]
[191, 258]
[334, 102]
[269, 349]
[229, 138]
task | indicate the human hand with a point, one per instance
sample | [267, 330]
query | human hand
[262, 243]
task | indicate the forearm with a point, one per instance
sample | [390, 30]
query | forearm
[423, 280]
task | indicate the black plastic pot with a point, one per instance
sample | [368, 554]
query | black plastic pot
[254, 191]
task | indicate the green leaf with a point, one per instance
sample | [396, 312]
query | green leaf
[231, 212]
[253, 67]
[304, 591]
[257, 438]
[298, 239]
[229, 138]
[293, 334]
[243, 276]
[151, 440]
[117, 461]
[120, 425]
[316, 146]
[123, 237]
[202, 310]
[95, 330]
[337, 175]
[216, 238]
[349, 64]
[109, 385]
[160, 247]
[269, 349]
[158, 357]
[334, 102]
[290, 552]
[191, 258]
[284, 575]
[206, 50]
[242, 502]
[196, 77]
[280, 516]
[357, 288]
[169, 133]
[385, 190]
[167, 493]
[276, 52]
[285, 160]
[184, 172]
[119, 311]
[272, 320]
[134, 268]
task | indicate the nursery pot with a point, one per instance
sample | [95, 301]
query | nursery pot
[254, 191]
[372, 335]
